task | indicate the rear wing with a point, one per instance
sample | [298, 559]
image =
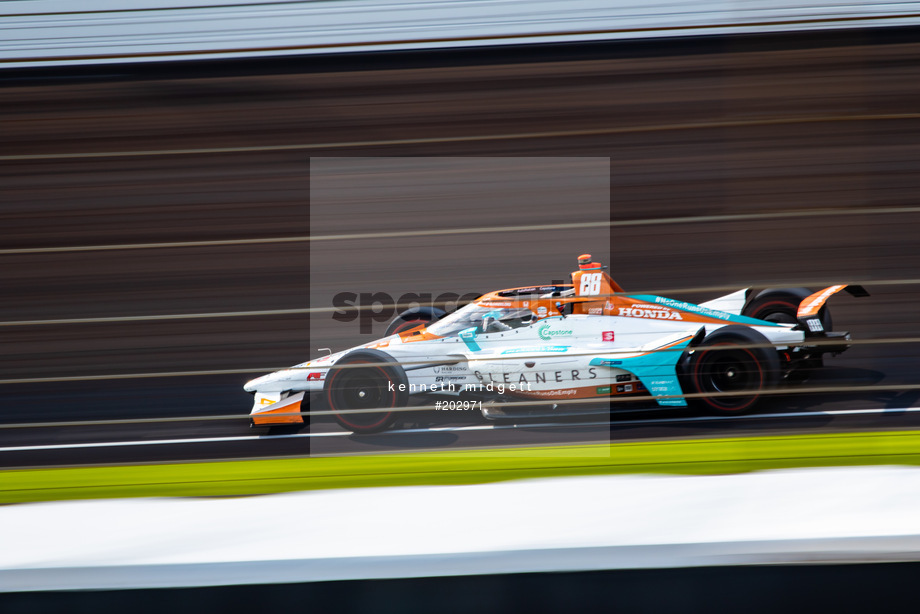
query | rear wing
[807, 314]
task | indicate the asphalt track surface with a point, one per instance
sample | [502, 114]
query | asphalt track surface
[798, 163]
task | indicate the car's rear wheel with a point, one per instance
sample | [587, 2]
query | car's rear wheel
[410, 318]
[780, 305]
[364, 380]
[729, 372]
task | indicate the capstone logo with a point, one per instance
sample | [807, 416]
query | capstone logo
[547, 333]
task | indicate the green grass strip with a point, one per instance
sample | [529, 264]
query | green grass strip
[236, 478]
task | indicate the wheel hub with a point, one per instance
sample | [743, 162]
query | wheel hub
[727, 374]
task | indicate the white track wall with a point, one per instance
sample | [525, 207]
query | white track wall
[562, 524]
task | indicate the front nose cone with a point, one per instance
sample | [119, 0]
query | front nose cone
[266, 382]
[253, 384]
[273, 382]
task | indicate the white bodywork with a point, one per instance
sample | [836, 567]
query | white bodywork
[578, 356]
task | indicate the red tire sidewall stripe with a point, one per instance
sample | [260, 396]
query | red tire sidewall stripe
[713, 403]
[386, 415]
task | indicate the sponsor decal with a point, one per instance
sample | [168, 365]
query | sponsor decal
[703, 311]
[619, 389]
[624, 377]
[315, 376]
[628, 387]
[450, 378]
[814, 325]
[643, 312]
[607, 335]
[603, 390]
[542, 348]
[554, 393]
[546, 332]
[450, 369]
[538, 377]
[530, 290]
[595, 311]
[608, 306]
[541, 311]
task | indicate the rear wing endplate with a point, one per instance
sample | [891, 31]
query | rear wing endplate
[808, 310]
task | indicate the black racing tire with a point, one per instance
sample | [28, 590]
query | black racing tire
[724, 363]
[362, 380]
[411, 318]
[780, 305]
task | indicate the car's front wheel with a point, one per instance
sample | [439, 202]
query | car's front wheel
[731, 368]
[364, 380]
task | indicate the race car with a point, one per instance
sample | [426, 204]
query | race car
[588, 340]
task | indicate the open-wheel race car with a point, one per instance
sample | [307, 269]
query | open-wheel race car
[585, 340]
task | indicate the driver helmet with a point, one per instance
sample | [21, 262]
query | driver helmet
[585, 264]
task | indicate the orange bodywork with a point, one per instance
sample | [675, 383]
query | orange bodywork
[419, 333]
[285, 411]
[811, 305]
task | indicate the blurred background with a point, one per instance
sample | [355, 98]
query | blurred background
[187, 185]
[158, 220]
